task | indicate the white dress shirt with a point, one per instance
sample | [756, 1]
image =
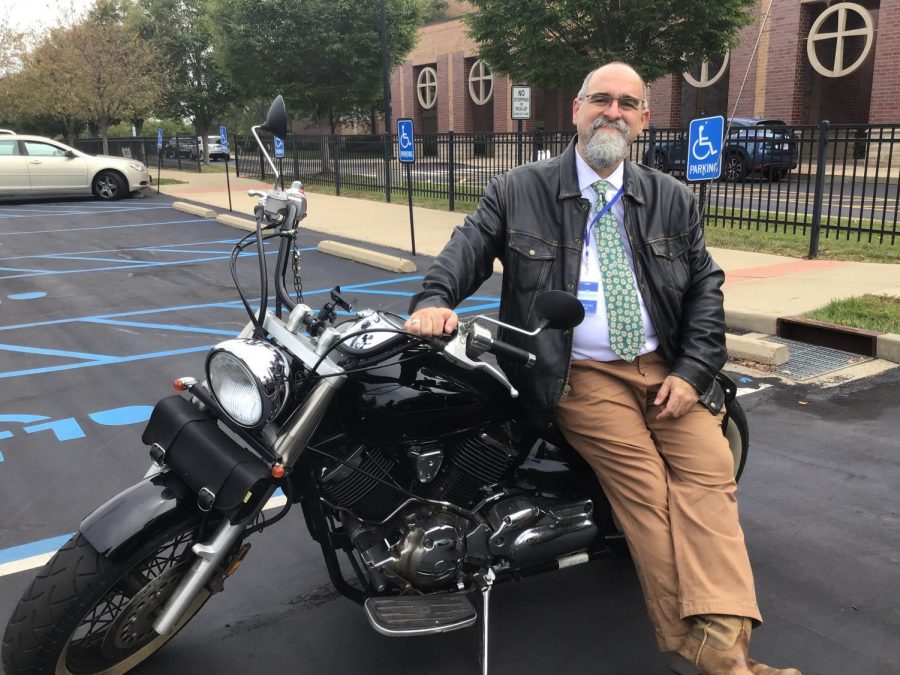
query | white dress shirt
[592, 336]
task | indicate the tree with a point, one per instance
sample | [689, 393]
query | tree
[109, 71]
[197, 88]
[556, 43]
[324, 56]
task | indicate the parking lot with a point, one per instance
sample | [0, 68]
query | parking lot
[102, 305]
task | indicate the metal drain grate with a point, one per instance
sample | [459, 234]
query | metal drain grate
[807, 361]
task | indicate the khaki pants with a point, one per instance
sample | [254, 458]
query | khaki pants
[671, 485]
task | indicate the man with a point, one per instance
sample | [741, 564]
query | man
[633, 387]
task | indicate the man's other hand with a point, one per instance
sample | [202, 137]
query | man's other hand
[675, 397]
[432, 321]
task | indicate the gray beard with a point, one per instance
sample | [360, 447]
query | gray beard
[602, 149]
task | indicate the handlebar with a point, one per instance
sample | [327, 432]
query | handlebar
[512, 353]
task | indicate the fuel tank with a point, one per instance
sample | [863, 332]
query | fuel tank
[423, 397]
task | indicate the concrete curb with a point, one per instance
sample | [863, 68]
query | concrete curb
[193, 209]
[888, 347]
[381, 260]
[756, 322]
[235, 221]
[754, 347]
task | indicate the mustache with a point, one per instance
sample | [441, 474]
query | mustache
[618, 125]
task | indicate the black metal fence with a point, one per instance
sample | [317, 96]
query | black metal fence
[824, 181]
[181, 152]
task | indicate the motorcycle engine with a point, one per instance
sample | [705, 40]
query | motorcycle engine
[425, 546]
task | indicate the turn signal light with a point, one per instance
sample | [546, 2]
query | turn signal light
[278, 470]
[183, 383]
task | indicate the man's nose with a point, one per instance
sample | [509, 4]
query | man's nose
[614, 111]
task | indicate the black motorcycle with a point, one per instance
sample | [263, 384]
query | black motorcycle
[407, 455]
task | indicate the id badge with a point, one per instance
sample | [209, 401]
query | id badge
[589, 294]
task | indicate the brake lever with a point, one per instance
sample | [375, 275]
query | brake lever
[456, 352]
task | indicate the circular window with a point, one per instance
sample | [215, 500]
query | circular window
[705, 79]
[481, 83]
[839, 36]
[426, 87]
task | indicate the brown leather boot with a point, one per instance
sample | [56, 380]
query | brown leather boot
[718, 645]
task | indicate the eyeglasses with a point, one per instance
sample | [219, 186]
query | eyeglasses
[604, 101]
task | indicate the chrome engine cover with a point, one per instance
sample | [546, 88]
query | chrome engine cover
[431, 548]
[531, 530]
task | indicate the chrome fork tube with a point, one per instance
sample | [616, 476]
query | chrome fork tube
[290, 443]
[299, 428]
[209, 557]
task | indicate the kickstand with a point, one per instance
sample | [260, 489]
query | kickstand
[485, 583]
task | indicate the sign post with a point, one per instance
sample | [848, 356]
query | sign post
[704, 153]
[406, 143]
[520, 109]
[279, 155]
[159, 144]
[223, 141]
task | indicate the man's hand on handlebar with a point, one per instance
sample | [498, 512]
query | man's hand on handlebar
[432, 321]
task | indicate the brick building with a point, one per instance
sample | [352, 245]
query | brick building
[816, 59]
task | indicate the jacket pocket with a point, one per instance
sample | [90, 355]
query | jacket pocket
[670, 254]
[530, 259]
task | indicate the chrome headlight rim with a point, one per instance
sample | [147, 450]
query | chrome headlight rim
[266, 366]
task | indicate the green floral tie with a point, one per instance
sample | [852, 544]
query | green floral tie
[623, 310]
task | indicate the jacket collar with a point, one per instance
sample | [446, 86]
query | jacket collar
[568, 177]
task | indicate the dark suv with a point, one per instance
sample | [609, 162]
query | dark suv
[754, 144]
[186, 148]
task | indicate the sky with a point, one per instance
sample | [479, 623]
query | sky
[28, 14]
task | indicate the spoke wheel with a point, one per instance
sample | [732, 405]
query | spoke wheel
[101, 612]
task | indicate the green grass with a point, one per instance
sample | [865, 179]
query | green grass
[872, 312]
[797, 245]
[170, 181]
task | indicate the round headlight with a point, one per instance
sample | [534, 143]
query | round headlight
[250, 380]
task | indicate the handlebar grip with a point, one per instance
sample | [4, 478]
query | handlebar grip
[508, 351]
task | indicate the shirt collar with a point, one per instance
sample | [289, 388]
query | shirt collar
[587, 176]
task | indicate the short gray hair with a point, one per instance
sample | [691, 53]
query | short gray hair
[584, 85]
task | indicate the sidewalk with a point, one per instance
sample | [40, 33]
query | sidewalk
[759, 287]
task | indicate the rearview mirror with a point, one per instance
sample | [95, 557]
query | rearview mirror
[276, 118]
[70, 154]
[558, 309]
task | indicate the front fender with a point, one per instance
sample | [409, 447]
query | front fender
[155, 504]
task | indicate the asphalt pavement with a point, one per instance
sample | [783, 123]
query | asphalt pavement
[102, 305]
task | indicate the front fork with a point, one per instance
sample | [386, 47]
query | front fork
[291, 441]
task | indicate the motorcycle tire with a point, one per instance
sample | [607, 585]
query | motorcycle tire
[85, 614]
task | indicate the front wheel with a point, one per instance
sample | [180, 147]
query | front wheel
[109, 186]
[86, 614]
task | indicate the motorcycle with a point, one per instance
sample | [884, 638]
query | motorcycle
[408, 457]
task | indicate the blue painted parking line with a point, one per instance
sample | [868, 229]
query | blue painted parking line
[66, 256]
[160, 248]
[110, 361]
[161, 326]
[35, 213]
[23, 349]
[107, 227]
[128, 266]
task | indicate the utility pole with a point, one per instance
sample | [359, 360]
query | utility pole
[386, 95]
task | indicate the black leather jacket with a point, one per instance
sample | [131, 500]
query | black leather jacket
[533, 219]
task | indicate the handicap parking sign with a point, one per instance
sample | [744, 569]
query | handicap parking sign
[223, 138]
[159, 138]
[279, 148]
[406, 141]
[704, 160]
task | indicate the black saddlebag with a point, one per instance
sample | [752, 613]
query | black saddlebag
[191, 444]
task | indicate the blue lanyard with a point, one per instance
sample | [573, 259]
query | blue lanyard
[600, 214]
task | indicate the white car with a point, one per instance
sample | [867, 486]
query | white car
[216, 151]
[34, 166]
